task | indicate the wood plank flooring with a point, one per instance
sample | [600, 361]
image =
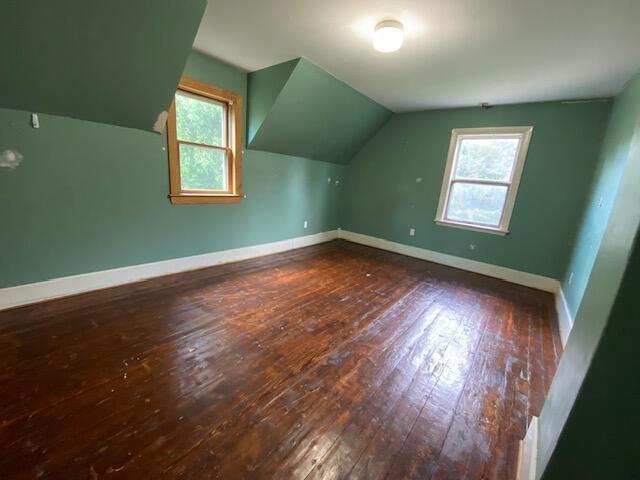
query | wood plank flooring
[332, 361]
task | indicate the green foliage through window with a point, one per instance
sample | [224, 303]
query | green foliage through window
[486, 158]
[202, 168]
[474, 203]
[199, 121]
[481, 160]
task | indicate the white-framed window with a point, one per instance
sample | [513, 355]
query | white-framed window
[481, 178]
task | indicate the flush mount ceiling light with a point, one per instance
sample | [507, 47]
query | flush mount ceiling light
[388, 36]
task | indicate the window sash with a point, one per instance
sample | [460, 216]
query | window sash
[225, 116]
[481, 181]
[462, 137]
[227, 150]
[227, 164]
[477, 182]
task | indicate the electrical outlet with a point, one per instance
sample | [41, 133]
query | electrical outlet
[412, 232]
[306, 224]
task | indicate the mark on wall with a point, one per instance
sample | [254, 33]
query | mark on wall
[161, 121]
[10, 159]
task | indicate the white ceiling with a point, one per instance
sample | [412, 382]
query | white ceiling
[456, 52]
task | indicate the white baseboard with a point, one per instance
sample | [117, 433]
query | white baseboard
[514, 276]
[565, 319]
[62, 287]
[528, 454]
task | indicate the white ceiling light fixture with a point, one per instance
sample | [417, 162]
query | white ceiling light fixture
[388, 36]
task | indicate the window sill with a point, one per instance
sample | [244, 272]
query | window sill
[474, 228]
[192, 199]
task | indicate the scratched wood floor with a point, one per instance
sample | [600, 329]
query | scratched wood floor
[332, 361]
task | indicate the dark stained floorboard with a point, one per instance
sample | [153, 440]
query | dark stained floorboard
[332, 361]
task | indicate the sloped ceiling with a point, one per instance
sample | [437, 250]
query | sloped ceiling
[116, 61]
[296, 108]
[264, 87]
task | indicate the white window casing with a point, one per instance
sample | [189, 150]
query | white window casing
[523, 134]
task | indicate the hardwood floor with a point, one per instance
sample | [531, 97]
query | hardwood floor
[332, 361]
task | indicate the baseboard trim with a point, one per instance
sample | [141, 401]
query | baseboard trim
[565, 319]
[61, 287]
[528, 453]
[510, 275]
[72, 285]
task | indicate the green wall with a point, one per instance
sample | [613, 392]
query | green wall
[264, 86]
[310, 114]
[600, 439]
[115, 61]
[609, 172]
[90, 196]
[563, 416]
[385, 199]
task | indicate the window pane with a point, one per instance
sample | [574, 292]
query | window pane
[202, 168]
[473, 203]
[486, 158]
[199, 121]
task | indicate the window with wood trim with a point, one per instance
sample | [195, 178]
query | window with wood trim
[482, 176]
[204, 129]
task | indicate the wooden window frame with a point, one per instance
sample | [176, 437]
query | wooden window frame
[233, 105]
[459, 134]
